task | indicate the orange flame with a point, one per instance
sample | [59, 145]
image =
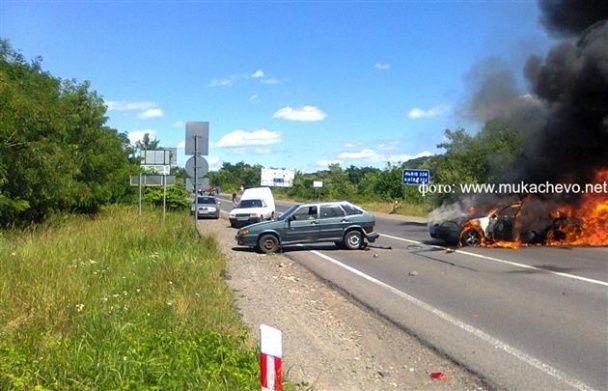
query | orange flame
[582, 224]
[591, 216]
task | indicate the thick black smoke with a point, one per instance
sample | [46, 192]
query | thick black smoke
[572, 83]
[571, 17]
[564, 115]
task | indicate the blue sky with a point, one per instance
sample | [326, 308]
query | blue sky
[284, 84]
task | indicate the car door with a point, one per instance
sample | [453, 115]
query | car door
[504, 228]
[303, 225]
[332, 221]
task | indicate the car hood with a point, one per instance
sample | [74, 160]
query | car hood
[248, 210]
[263, 225]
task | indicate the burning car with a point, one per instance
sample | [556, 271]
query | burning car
[504, 227]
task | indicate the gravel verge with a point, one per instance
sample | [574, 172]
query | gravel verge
[329, 341]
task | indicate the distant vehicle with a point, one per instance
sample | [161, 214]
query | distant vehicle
[501, 225]
[343, 223]
[207, 207]
[256, 204]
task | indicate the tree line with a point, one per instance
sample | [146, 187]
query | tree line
[467, 158]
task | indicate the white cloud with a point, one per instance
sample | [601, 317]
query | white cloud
[352, 144]
[138, 135]
[262, 151]
[126, 105]
[214, 162]
[417, 113]
[254, 98]
[242, 138]
[388, 145]
[382, 67]
[178, 124]
[258, 74]
[325, 163]
[150, 113]
[222, 82]
[372, 155]
[181, 144]
[271, 80]
[305, 114]
[145, 109]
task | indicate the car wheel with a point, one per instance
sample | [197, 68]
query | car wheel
[217, 216]
[272, 216]
[470, 238]
[268, 244]
[353, 240]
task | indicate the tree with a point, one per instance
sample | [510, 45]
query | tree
[56, 154]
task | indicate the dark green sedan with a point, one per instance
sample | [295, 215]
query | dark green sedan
[343, 223]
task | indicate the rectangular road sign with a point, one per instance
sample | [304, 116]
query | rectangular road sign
[152, 180]
[158, 169]
[156, 157]
[416, 177]
[198, 131]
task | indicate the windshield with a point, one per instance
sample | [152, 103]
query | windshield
[206, 200]
[250, 204]
[287, 213]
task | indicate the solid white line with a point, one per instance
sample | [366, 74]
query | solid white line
[496, 343]
[516, 264]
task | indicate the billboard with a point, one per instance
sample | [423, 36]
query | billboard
[277, 178]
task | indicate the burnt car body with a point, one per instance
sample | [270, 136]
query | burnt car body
[502, 225]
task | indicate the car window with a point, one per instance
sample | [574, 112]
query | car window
[351, 209]
[287, 213]
[250, 204]
[306, 213]
[206, 200]
[329, 211]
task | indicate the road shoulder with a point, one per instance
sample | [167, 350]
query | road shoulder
[330, 342]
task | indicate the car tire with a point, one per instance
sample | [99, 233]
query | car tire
[268, 244]
[470, 238]
[353, 240]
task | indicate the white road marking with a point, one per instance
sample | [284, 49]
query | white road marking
[496, 343]
[516, 264]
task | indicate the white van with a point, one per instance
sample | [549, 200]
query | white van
[256, 204]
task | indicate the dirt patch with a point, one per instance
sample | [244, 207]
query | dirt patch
[330, 343]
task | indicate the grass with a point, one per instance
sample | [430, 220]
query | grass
[119, 301]
[404, 209]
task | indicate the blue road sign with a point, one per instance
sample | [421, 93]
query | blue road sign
[416, 177]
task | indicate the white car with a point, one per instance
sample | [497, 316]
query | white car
[256, 204]
[207, 207]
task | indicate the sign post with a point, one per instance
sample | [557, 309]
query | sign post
[197, 144]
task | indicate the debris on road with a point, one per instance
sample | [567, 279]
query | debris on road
[413, 273]
[439, 376]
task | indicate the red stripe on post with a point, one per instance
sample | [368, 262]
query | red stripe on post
[264, 370]
[278, 383]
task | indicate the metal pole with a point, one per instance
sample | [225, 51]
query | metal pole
[195, 186]
[164, 196]
[140, 186]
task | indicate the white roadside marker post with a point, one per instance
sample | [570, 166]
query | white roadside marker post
[271, 352]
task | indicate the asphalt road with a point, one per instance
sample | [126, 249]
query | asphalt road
[531, 319]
